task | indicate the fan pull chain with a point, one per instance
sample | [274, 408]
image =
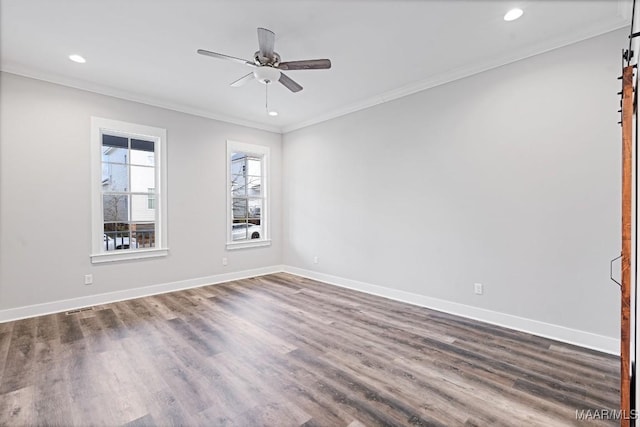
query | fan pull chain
[266, 99]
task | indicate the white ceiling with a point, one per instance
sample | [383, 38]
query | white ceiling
[145, 50]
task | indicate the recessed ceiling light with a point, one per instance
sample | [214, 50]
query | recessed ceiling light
[77, 58]
[273, 113]
[513, 14]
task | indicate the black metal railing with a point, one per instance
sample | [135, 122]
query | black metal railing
[117, 240]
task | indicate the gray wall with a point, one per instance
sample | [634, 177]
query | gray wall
[45, 218]
[509, 178]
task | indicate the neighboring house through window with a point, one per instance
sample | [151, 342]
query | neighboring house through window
[151, 198]
[247, 195]
[129, 207]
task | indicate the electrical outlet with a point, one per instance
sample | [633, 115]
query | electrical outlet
[224, 261]
[315, 259]
[88, 279]
[477, 288]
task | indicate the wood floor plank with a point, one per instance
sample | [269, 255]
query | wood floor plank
[18, 372]
[168, 409]
[47, 328]
[91, 398]
[69, 326]
[17, 407]
[94, 335]
[52, 397]
[280, 350]
[143, 421]
[290, 385]
[6, 327]
[5, 341]
[121, 380]
[111, 324]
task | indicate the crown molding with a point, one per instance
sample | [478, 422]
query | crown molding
[453, 75]
[129, 96]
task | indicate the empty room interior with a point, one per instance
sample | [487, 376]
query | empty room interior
[319, 213]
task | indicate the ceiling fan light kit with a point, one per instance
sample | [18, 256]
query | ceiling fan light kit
[266, 74]
[268, 67]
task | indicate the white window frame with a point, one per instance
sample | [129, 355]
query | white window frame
[259, 151]
[159, 137]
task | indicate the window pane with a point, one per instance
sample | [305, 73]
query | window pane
[142, 158]
[254, 167]
[105, 173]
[122, 240]
[254, 187]
[254, 231]
[238, 176]
[114, 141]
[143, 235]
[115, 177]
[238, 162]
[142, 178]
[115, 207]
[255, 208]
[140, 208]
[239, 209]
[142, 145]
[239, 231]
[114, 155]
[142, 153]
[238, 186]
[151, 198]
[116, 236]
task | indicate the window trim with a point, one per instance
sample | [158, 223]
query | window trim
[159, 136]
[264, 152]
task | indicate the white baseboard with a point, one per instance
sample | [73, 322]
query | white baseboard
[535, 327]
[109, 297]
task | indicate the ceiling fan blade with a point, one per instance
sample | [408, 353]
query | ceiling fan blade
[266, 41]
[309, 64]
[289, 83]
[242, 80]
[227, 57]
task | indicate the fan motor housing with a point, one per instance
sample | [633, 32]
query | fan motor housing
[273, 60]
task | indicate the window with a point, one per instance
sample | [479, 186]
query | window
[128, 206]
[151, 198]
[247, 195]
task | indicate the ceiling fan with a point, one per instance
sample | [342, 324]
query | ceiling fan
[267, 65]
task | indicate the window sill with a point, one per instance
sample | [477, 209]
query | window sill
[248, 244]
[128, 255]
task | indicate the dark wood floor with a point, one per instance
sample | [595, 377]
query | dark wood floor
[280, 350]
